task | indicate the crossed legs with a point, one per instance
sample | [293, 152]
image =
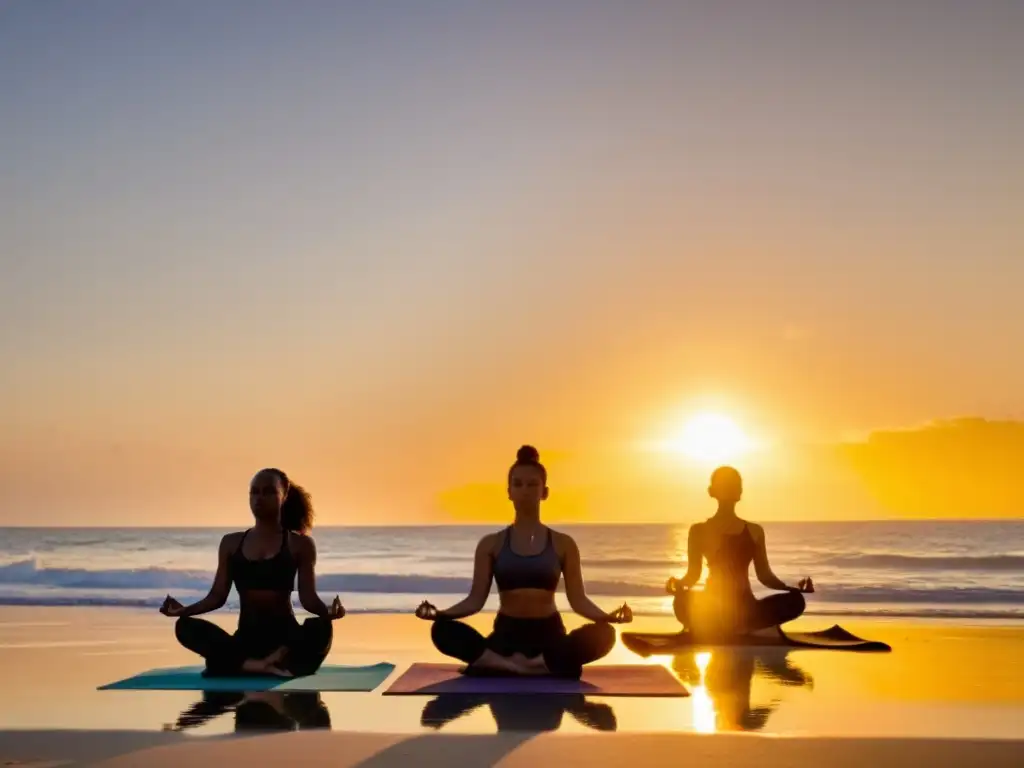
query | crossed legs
[699, 612]
[300, 650]
[525, 646]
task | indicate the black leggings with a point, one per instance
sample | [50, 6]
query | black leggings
[307, 644]
[699, 611]
[564, 653]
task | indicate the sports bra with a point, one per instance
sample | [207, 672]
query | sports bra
[514, 571]
[729, 566]
[275, 573]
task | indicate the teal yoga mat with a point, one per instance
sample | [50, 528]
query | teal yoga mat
[329, 677]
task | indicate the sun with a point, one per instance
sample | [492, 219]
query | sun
[711, 438]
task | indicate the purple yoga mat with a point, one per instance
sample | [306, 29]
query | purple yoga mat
[597, 680]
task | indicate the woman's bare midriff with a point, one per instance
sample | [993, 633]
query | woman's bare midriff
[527, 603]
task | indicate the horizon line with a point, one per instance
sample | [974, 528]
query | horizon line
[558, 524]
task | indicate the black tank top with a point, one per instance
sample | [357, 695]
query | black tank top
[730, 565]
[514, 571]
[275, 573]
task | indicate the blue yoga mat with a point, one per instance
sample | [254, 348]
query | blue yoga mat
[329, 677]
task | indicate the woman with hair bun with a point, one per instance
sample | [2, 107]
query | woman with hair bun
[264, 564]
[527, 559]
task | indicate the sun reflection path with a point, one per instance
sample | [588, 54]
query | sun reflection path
[703, 706]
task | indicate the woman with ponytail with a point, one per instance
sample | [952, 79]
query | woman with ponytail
[527, 560]
[264, 563]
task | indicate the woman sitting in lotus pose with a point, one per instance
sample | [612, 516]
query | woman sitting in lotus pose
[527, 559]
[727, 606]
[263, 563]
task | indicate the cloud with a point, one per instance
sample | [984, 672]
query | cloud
[964, 468]
[968, 467]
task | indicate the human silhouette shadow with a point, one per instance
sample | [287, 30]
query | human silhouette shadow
[258, 711]
[518, 718]
[728, 677]
[531, 714]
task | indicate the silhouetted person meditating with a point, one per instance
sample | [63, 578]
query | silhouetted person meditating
[263, 563]
[727, 606]
[527, 559]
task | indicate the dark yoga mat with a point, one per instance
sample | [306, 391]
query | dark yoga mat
[328, 678]
[834, 638]
[597, 680]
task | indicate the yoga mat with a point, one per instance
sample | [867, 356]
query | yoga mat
[328, 678]
[597, 680]
[834, 638]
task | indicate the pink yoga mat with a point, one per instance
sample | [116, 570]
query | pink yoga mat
[597, 680]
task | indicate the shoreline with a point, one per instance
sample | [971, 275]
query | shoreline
[980, 618]
[921, 571]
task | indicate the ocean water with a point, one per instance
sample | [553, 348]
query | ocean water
[911, 568]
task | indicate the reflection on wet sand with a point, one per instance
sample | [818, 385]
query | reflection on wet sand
[520, 713]
[721, 682]
[258, 711]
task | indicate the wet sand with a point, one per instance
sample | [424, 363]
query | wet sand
[941, 681]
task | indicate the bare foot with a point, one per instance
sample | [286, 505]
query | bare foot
[492, 660]
[273, 664]
[518, 664]
[505, 664]
[262, 667]
[535, 666]
[276, 657]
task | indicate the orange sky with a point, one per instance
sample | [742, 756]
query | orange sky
[237, 240]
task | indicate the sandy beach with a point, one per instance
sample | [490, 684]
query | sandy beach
[963, 682]
[678, 313]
